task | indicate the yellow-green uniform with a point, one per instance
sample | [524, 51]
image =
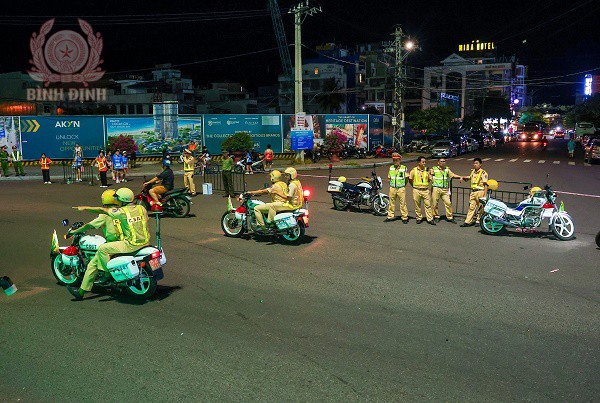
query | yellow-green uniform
[278, 192]
[420, 182]
[17, 161]
[440, 190]
[397, 177]
[134, 223]
[4, 161]
[478, 182]
[188, 173]
[112, 232]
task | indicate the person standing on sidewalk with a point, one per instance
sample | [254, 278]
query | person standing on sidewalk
[479, 188]
[268, 160]
[4, 160]
[189, 164]
[419, 179]
[397, 177]
[117, 163]
[17, 161]
[102, 164]
[227, 173]
[441, 176]
[45, 163]
[125, 164]
[571, 147]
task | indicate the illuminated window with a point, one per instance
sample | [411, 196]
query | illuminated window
[316, 71]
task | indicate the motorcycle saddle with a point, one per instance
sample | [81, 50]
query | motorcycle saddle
[135, 252]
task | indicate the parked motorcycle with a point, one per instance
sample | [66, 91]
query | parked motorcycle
[240, 166]
[290, 225]
[352, 151]
[176, 202]
[365, 193]
[527, 215]
[137, 272]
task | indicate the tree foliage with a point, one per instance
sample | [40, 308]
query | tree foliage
[433, 119]
[331, 98]
[588, 111]
[122, 143]
[531, 116]
[238, 142]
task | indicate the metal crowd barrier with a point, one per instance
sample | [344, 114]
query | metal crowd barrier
[213, 175]
[459, 194]
[88, 174]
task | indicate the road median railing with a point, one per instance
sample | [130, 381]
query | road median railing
[87, 174]
[214, 175]
[508, 192]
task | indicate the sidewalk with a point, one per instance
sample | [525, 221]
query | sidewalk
[151, 169]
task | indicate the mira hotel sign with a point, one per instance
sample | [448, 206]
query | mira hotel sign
[475, 46]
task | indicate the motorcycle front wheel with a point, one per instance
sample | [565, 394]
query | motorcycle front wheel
[563, 227]
[232, 226]
[491, 227]
[142, 287]
[339, 205]
[64, 275]
[380, 205]
[598, 239]
[180, 206]
[295, 234]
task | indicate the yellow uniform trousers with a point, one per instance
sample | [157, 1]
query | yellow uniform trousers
[188, 181]
[422, 196]
[100, 261]
[474, 206]
[400, 194]
[271, 209]
[436, 195]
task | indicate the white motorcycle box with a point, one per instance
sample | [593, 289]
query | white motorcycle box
[495, 207]
[123, 268]
[335, 186]
[285, 221]
[91, 242]
[151, 249]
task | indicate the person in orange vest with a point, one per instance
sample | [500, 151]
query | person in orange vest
[102, 164]
[45, 163]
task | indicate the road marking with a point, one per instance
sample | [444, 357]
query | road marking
[458, 159]
[499, 159]
[486, 159]
[578, 194]
[527, 161]
[571, 163]
[556, 162]
[514, 159]
[586, 164]
[541, 161]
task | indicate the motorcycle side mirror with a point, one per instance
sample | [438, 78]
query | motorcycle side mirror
[65, 222]
[525, 187]
[266, 185]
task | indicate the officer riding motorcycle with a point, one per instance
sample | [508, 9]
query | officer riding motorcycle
[279, 198]
[295, 191]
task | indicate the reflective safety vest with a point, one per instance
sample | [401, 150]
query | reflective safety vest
[135, 229]
[276, 197]
[476, 179]
[398, 176]
[102, 166]
[16, 156]
[440, 177]
[420, 178]
[297, 199]
[45, 163]
[188, 164]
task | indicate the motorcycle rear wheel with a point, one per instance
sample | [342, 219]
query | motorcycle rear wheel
[380, 205]
[142, 287]
[238, 169]
[563, 227]
[339, 205]
[598, 239]
[231, 226]
[295, 234]
[58, 267]
[181, 206]
[490, 227]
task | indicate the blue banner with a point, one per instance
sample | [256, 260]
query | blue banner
[375, 131]
[56, 136]
[302, 139]
[264, 129]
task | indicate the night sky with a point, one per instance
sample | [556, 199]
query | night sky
[560, 37]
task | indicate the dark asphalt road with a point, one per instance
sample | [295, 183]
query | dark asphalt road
[362, 310]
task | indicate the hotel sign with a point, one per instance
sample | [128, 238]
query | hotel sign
[476, 46]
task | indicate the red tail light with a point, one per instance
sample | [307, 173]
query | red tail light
[155, 255]
[306, 193]
[70, 251]
[548, 205]
[241, 210]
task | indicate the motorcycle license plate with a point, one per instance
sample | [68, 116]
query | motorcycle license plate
[333, 188]
[495, 212]
[154, 264]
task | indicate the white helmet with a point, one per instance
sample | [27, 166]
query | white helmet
[124, 195]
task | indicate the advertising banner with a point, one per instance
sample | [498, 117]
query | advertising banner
[353, 127]
[9, 132]
[316, 123]
[56, 136]
[302, 139]
[264, 129]
[150, 140]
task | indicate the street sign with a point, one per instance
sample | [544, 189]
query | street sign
[302, 139]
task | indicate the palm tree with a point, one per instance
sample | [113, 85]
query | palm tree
[331, 98]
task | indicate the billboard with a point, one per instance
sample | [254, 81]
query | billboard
[9, 131]
[150, 140]
[264, 129]
[316, 123]
[375, 131]
[302, 139]
[56, 136]
[354, 127]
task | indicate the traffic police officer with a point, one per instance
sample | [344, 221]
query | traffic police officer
[479, 188]
[189, 164]
[419, 179]
[17, 161]
[4, 160]
[279, 197]
[397, 176]
[441, 176]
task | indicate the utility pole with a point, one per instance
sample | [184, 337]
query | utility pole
[300, 11]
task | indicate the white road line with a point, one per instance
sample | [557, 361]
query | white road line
[586, 164]
[514, 159]
[571, 163]
[486, 159]
[556, 162]
[458, 159]
[541, 161]
[499, 159]
[527, 161]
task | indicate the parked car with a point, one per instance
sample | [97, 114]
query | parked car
[481, 141]
[472, 144]
[531, 132]
[591, 152]
[461, 142]
[583, 128]
[499, 136]
[444, 148]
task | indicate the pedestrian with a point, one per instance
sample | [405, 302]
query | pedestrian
[397, 176]
[45, 163]
[77, 149]
[117, 163]
[102, 164]
[17, 161]
[189, 164]
[249, 163]
[109, 156]
[478, 178]
[226, 173]
[419, 180]
[571, 147]
[204, 159]
[4, 160]
[441, 176]
[77, 167]
[268, 161]
[133, 158]
[125, 165]
[192, 147]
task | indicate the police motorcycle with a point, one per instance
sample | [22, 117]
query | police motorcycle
[136, 272]
[528, 214]
[289, 225]
[367, 193]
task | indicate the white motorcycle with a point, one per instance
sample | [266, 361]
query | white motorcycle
[137, 272]
[527, 215]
